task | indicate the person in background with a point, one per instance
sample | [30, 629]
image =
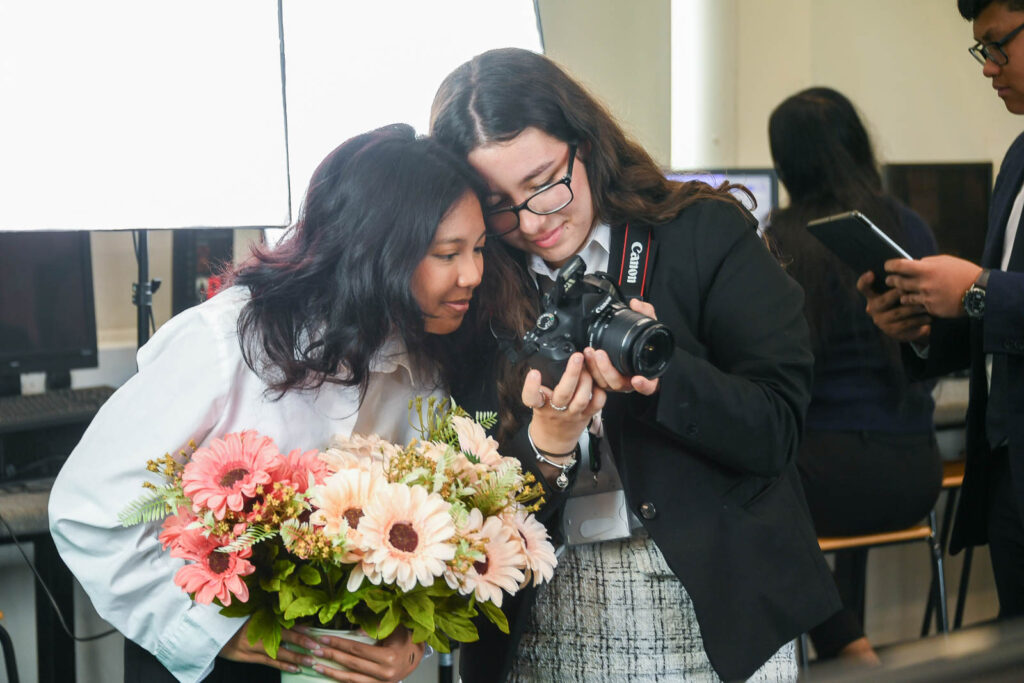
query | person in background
[334, 331]
[955, 314]
[723, 569]
[869, 461]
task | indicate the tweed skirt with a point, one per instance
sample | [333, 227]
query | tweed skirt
[615, 612]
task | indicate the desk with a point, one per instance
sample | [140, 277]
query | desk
[23, 507]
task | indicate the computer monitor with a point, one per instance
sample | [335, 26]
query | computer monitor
[47, 311]
[763, 183]
[951, 197]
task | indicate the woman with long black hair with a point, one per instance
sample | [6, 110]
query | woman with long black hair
[334, 331]
[869, 461]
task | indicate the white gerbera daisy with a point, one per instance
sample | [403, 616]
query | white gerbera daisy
[339, 503]
[406, 536]
[500, 570]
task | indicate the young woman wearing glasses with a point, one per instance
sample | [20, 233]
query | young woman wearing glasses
[725, 570]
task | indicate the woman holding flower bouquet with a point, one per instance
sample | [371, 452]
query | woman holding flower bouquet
[724, 570]
[334, 332]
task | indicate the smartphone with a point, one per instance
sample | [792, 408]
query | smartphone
[859, 243]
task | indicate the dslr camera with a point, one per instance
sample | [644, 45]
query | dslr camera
[582, 310]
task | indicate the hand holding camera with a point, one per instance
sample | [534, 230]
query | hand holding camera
[586, 310]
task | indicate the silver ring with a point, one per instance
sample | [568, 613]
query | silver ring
[560, 409]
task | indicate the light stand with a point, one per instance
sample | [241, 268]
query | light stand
[143, 290]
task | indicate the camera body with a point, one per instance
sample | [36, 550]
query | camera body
[582, 310]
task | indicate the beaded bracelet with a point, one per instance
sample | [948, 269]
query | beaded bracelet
[562, 481]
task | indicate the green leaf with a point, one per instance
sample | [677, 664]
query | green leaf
[419, 607]
[389, 623]
[149, 507]
[494, 613]
[459, 628]
[237, 608]
[309, 575]
[263, 626]
[283, 568]
[439, 642]
[302, 607]
[378, 600]
[328, 611]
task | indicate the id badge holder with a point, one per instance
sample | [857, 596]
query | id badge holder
[597, 517]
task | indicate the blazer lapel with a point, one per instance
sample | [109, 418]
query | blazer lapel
[1005, 192]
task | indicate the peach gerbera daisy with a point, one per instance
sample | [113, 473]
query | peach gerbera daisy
[535, 544]
[223, 474]
[211, 574]
[473, 439]
[175, 525]
[406, 535]
[296, 468]
[338, 506]
[500, 569]
[358, 451]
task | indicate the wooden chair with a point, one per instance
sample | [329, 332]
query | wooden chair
[920, 532]
[8, 650]
[952, 479]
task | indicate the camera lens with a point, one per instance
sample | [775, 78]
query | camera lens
[652, 351]
[636, 344]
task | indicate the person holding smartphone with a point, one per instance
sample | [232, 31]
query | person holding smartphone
[956, 314]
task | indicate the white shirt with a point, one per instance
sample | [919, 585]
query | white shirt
[192, 384]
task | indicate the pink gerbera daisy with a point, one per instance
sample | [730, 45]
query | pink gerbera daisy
[537, 548]
[338, 506]
[223, 474]
[211, 574]
[500, 569]
[175, 525]
[406, 535]
[296, 467]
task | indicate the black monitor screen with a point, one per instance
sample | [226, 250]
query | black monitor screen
[952, 199]
[762, 183]
[47, 316]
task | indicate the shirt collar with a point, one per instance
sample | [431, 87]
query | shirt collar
[390, 357]
[595, 254]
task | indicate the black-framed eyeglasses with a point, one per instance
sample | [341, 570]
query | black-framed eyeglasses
[994, 51]
[549, 199]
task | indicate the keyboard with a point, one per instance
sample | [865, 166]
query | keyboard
[51, 409]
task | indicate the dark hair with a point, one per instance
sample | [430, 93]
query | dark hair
[823, 156]
[327, 298]
[970, 9]
[498, 94]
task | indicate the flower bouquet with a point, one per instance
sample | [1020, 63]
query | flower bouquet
[365, 534]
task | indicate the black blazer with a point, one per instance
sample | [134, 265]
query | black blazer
[959, 343]
[708, 462]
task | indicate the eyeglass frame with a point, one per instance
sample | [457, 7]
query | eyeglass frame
[983, 52]
[565, 180]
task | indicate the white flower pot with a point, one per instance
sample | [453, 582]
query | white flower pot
[308, 675]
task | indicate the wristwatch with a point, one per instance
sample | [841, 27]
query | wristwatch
[974, 298]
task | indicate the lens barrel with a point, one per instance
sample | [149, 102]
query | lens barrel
[635, 343]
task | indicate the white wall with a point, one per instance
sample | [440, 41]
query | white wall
[905, 64]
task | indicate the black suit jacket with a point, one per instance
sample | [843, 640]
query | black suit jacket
[959, 343]
[708, 462]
